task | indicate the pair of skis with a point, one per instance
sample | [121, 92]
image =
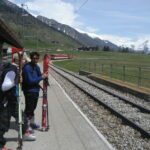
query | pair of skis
[45, 116]
[18, 94]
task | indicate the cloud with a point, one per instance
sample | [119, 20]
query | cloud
[137, 42]
[59, 10]
[65, 12]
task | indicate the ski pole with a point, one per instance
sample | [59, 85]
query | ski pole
[20, 120]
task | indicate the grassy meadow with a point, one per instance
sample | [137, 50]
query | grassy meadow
[128, 67]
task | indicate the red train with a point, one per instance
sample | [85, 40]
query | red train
[60, 56]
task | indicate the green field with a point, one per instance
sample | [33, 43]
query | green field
[128, 67]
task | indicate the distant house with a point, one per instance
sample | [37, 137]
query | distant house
[88, 48]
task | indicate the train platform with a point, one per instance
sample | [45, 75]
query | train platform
[69, 127]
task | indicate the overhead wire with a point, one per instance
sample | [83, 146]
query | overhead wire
[82, 5]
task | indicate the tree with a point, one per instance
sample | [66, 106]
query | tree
[106, 48]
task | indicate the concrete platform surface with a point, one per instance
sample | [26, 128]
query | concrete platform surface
[69, 128]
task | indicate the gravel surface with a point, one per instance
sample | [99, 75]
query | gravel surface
[121, 136]
[127, 110]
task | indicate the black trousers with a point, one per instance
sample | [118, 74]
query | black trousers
[4, 124]
[31, 100]
[6, 112]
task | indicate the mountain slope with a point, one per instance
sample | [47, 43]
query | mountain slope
[80, 37]
[31, 31]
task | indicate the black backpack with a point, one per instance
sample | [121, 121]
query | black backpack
[4, 68]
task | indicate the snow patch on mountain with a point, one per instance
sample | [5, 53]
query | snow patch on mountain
[138, 44]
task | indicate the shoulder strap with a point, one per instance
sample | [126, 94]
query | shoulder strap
[1, 73]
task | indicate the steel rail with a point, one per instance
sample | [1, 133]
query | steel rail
[143, 132]
[125, 99]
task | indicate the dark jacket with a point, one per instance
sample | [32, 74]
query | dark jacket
[31, 75]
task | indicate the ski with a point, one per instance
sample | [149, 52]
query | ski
[20, 121]
[18, 94]
[45, 116]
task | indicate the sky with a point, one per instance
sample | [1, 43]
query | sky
[123, 22]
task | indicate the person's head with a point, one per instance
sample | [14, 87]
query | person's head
[5, 55]
[34, 56]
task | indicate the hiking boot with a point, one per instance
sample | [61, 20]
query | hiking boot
[34, 126]
[29, 137]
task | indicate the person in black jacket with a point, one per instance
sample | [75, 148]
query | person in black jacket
[8, 103]
[32, 75]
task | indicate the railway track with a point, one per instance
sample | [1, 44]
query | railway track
[132, 114]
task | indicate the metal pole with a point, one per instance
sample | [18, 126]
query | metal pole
[111, 70]
[89, 66]
[102, 69]
[124, 73]
[139, 77]
[80, 66]
[95, 67]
